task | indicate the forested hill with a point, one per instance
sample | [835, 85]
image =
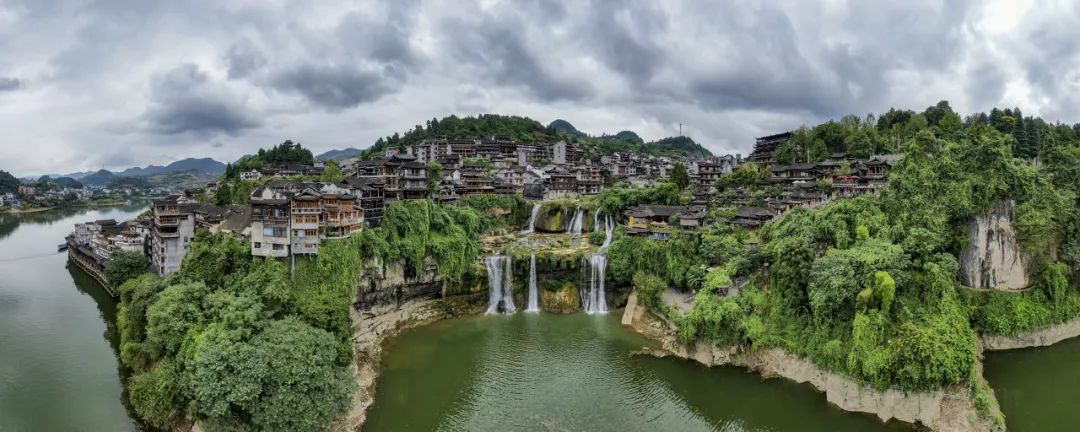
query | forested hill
[526, 129]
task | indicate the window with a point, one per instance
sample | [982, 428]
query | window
[258, 245]
[278, 247]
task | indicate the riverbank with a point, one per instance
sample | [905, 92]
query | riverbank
[949, 409]
[372, 329]
[33, 210]
[1033, 338]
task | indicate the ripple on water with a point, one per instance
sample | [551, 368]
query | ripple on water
[546, 372]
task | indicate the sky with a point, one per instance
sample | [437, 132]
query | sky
[86, 85]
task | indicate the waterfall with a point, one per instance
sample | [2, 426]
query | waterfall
[596, 220]
[534, 296]
[593, 301]
[500, 284]
[575, 223]
[609, 228]
[532, 219]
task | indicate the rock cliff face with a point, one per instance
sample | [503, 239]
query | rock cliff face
[949, 409]
[394, 283]
[993, 259]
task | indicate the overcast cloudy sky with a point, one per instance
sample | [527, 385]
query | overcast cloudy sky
[91, 84]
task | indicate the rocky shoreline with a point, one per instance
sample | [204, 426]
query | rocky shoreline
[949, 409]
[1031, 339]
[373, 328]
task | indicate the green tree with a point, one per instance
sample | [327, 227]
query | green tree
[307, 390]
[680, 176]
[331, 173]
[434, 176]
[124, 266]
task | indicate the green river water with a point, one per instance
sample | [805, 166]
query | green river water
[525, 372]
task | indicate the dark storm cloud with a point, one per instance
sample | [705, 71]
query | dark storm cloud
[499, 51]
[335, 87]
[10, 84]
[243, 58]
[186, 101]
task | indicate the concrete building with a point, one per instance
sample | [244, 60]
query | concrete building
[171, 233]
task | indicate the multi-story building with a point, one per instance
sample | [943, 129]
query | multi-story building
[765, 148]
[172, 230]
[369, 194]
[270, 236]
[342, 212]
[305, 212]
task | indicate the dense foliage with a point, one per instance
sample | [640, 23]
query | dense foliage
[869, 286]
[285, 153]
[124, 266]
[8, 182]
[240, 343]
[414, 230]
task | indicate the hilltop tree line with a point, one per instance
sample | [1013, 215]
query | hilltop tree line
[870, 135]
[528, 130]
[286, 153]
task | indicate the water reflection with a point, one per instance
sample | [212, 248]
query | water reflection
[55, 371]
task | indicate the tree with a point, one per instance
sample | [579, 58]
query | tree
[680, 176]
[332, 173]
[304, 390]
[8, 182]
[434, 176]
[124, 266]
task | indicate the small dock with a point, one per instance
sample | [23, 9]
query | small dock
[94, 265]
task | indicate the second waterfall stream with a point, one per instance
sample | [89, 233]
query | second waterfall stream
[534, 296]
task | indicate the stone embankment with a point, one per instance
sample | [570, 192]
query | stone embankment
[372, 328]
[947, 410]
[1030, 339]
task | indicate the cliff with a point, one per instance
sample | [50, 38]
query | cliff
[993, 258]
[1034, 338]
[948, 409]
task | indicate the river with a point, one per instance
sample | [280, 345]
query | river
[573, 373]
[1037, 387]
[59, 369]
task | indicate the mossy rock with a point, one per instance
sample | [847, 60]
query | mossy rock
[565, 300]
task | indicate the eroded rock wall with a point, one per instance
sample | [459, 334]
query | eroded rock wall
[1035, 338]
[948, 409]
[993, 259]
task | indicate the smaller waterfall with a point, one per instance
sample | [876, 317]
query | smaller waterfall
[534, 296]
[500, 284]
[596, 220]
[532, 219]
[609, 229]
[575, 223]
[593, 301]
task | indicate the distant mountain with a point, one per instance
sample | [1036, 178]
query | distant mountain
[564, 127]
[203, 165]
[100, 178]
[338, 155]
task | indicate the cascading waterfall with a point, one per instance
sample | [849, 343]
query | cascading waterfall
[532, 219]
[609, 229]
[500, 285]
[575, 223]
[594, 301]
[534, 296]
[596, 220]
